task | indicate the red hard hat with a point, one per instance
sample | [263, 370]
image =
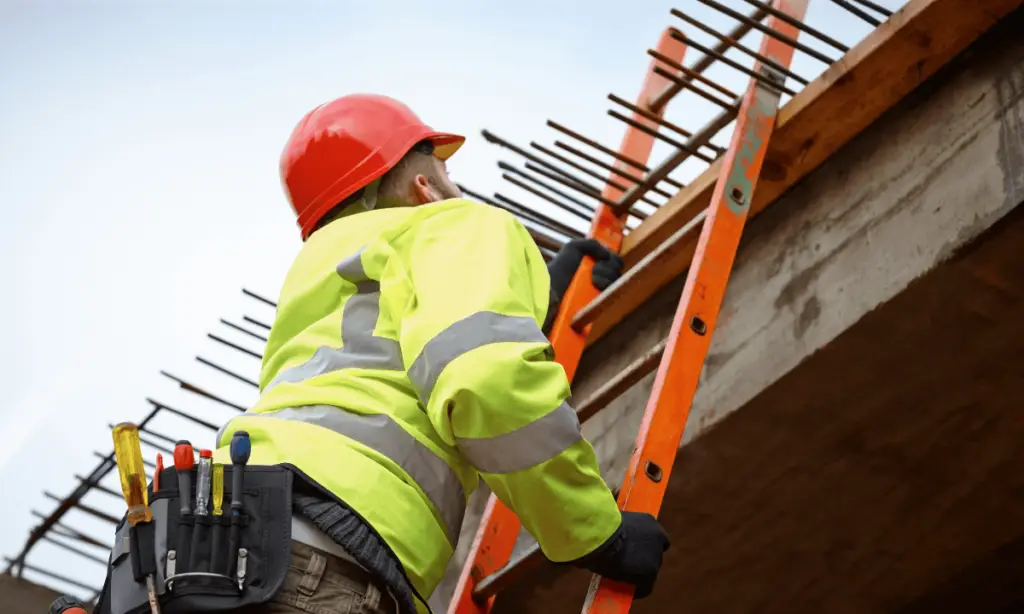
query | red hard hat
[342, 146]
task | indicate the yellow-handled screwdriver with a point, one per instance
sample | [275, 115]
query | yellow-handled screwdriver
[128, 453]
[217, 492]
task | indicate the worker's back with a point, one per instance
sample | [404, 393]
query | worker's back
[376, 306]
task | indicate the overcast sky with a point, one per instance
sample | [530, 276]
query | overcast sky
[139, 150]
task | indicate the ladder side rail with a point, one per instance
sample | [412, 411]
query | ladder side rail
[499, 527]
[665, 417]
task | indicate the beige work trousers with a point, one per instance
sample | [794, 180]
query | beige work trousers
[321, 583]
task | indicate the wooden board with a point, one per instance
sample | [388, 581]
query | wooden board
[844, 100]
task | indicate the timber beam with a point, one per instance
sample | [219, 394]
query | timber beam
[844, 100]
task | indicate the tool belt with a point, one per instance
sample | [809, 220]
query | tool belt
[208, 563]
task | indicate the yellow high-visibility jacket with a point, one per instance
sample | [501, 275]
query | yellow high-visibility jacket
[405, 361]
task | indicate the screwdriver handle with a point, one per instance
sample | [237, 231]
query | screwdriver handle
[240, 450]
[184, 460]
[128, 455]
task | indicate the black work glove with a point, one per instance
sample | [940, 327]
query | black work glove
[632, 554]
[563, 267]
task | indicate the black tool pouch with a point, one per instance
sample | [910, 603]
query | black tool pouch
[206, 563]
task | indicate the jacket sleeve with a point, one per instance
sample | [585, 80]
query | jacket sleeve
[474, 350]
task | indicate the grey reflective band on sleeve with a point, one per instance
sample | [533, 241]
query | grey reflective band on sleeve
[360, 349]
[474, 331]
[525, 447]
[381, 433]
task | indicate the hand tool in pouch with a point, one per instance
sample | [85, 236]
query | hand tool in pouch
[202, 506]
[184, 460]
[142, 534]
[156, 472]
[240, 449]
[217, 493]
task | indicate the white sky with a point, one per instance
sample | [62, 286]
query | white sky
[140, 188]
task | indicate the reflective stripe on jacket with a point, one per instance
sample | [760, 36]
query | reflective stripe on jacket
[406, 360]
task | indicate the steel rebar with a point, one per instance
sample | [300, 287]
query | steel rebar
[156, 434]
[664, 122]
[513, 174]
[667, 139]
[878, 8]
[70, 548]
[618, 171]
[199, 391]
[256, 322]
[691, 74]
[693, 88]
[587, 190]
[667, 166]
[495, 139]
[70, 533]
[100, 487]
[99, 454]
[734, 44]
[227, 372]
[243, 330]
[559, 175]
[792, 42]
[589, 172]
[523, 212]
[546, 243]
[50, 574]
[514, 206]
[592, 143]
[259, 298]
[156, 446]
[234, 346]
[85, 508]
[858, 12]
[676, 34]
[97, 474]
[514, 180]
[798, 24]
[177, 412]
[704, 61]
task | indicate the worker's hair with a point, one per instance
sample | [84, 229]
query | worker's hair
[394, 184]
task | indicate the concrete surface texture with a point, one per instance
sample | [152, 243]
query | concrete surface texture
[854, 444]
[19, 596]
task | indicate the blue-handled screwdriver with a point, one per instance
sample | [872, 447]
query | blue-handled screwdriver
[240, 449]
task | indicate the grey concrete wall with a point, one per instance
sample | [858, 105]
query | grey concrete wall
[19, 596]
[926, 179]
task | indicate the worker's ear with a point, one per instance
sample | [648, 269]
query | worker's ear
[423, 190]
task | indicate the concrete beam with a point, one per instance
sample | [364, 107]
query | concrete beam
[20, 596]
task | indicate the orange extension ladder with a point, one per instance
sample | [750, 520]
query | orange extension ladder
[665, 416]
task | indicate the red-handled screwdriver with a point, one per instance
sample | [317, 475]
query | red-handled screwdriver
[157, 472]
[184, 460]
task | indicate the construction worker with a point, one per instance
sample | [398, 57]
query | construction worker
[407, 360]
